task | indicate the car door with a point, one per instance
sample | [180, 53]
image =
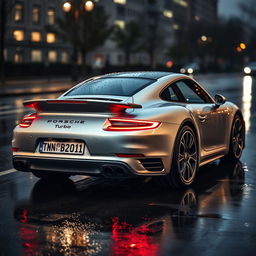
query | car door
[211, 121]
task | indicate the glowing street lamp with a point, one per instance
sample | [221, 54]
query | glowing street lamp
[204, 38]
[242, 46]
[67, 7]
[88, 6]
[238, 49]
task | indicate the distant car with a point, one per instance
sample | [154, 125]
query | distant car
[129, 124]
[250, 69]
[190, 68]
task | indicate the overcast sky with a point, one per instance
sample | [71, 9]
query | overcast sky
[229, 8]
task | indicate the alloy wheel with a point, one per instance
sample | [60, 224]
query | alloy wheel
[187, 158]
[237, 137]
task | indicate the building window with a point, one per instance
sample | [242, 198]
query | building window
[168, 13]
[5, 54]
[120, 24]
[79, 59]
[51, 17]
[35, 36]
[50, 38]
[120, 1]
[36, 15]
[18, 12]
[36, 56]
[183, 3]
[18, 57]
[176, 26]
[18, 35]
[52, 56]
[64, 57]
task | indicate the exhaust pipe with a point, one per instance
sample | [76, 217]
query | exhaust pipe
[21, 165]
[108, 171]
[113, 172]
[120, 172]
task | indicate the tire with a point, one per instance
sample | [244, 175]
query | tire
[185, 160]
[46, 175]
[237, 139]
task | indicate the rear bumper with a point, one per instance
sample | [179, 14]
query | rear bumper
[105, 168]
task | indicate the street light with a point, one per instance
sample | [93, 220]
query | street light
[67, 7]
[242, 46]
[88, 6]
[238, 49]
[204, 38]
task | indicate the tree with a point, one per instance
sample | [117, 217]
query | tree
[128, 39]
[155, 38]
[85, 30]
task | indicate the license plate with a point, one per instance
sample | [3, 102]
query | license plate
[72, 148]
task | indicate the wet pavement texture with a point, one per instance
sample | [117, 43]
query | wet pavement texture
[135, 217]
[88, 216]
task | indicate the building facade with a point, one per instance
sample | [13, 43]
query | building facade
[155, 20]
[204, 11]
[28, 40]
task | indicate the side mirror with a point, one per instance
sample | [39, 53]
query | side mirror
[219, 100]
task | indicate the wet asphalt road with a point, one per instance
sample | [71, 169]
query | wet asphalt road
[96, 217]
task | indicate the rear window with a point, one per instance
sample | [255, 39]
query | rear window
[111, 86]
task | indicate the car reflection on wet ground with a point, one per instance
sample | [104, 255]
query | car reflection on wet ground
[134, 218]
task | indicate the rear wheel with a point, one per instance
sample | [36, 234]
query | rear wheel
[51, 175]
[185, 160]
[236, 144]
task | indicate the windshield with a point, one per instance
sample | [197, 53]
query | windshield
[119, 86]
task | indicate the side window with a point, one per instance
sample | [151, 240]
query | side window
[169, 94]
[192, 92]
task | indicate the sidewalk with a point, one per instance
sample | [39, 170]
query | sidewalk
[35, 86]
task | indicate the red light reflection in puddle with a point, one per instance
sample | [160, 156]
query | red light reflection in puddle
[24, 216]
[30, 240]
[129, 240]
[28, 235]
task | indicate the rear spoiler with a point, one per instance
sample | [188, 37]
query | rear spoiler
[78, 105]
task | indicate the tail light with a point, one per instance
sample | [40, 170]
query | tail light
[121, 124]
[118, 108]
[27, 120]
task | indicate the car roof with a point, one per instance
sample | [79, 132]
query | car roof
[139, 74]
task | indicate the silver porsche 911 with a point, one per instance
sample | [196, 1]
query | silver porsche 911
[126, 125]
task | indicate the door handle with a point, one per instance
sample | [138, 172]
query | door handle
[202, 118]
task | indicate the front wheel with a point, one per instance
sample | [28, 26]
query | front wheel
[185, 160]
